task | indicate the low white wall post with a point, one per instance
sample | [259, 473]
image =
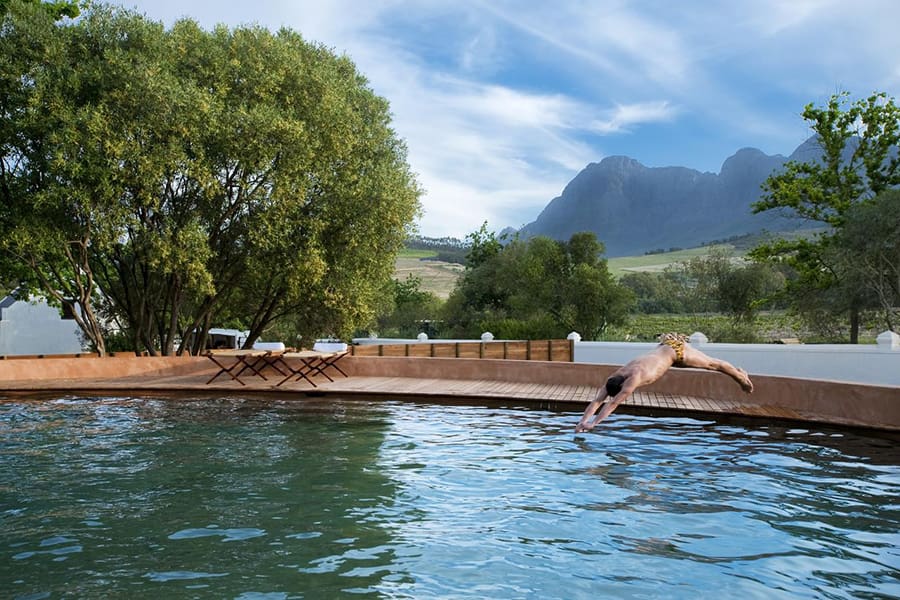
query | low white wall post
[698, 338]
[888, 341]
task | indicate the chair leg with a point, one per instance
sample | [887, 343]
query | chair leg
[224, 369]
[317, 366]
[302, 373]
[251, 364]
[333, 364]
[298, 373]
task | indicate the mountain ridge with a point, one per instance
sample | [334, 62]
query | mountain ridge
[634, 208]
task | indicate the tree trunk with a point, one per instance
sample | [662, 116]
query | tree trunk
[854, 325]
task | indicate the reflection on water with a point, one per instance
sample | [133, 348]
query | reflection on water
[223, 495]
[226, 498]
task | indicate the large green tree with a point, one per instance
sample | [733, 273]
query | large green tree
[662, 292]
[720, 282]
[236, 176]
[858, 160]
[51, 192]
[715, 283]
[537, 288]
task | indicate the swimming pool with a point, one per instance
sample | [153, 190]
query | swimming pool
[247, 498]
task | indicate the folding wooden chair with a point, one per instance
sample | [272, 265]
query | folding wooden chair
[243, 360]
[309, 364]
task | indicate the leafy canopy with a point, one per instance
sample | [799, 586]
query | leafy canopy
[57, 9]
[857, 160]
[174, 180]
[536, 288]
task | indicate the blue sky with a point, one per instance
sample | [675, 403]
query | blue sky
[501, 103]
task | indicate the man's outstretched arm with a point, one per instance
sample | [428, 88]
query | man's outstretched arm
[608, 407]
[590, 410]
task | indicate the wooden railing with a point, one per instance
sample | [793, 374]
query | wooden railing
[552, 350]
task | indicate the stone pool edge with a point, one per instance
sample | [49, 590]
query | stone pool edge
[537, 383]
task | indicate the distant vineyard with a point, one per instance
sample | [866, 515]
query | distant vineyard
[439, 265]
[449, 250]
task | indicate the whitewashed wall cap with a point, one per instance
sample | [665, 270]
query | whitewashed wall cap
[888, 340]
[698, 338]
[269, 346]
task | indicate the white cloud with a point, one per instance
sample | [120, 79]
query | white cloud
[606, 36]
[774, 17]
[487, 154]
[622, 117]
[502, 102]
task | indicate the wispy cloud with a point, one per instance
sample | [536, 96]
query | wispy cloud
[622, 117]
[502, 102]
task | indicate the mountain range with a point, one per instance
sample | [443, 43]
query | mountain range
[635, 209]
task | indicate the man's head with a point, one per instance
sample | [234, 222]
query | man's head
[614, 385]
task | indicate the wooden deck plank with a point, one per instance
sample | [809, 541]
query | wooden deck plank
[576, 395]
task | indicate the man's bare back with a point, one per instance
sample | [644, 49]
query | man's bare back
[673, 351]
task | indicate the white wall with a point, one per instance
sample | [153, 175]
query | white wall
[874, 364]
[36, 328]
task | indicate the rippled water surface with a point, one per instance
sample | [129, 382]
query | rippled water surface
[226, 498]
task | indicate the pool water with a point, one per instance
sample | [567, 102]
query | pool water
[248, 498]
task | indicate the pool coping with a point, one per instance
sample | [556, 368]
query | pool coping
[540, 384]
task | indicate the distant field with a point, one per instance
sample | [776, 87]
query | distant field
[410, 253]
[437, 277]
[658, 262]
[440, 277]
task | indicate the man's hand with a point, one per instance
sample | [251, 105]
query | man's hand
[584, 426]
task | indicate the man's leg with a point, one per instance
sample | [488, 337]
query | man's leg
[697, 359]
[738, 374]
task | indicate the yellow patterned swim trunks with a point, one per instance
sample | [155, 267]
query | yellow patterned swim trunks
[676, 342]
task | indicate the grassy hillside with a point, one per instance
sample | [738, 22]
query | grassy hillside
[437, 276]
[737, 246]
[658, 262]
[416, 254]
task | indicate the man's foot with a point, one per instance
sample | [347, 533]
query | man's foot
[745, 382]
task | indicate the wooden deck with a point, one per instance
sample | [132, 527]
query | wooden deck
[555, 396]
